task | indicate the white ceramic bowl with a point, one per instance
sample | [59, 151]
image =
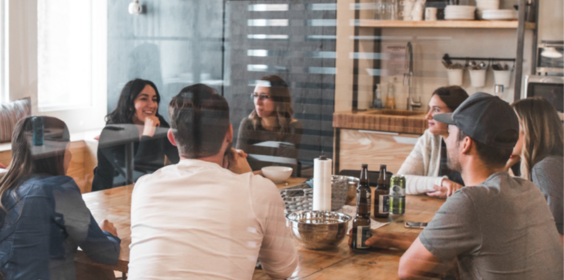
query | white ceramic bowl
[277, 174]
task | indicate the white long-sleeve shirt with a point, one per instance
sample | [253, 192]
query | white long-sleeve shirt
[197, 220]
[421, 167]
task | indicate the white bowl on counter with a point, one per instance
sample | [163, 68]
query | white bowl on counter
[277, 174]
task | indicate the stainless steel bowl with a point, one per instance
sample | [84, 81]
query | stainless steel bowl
[318, 230]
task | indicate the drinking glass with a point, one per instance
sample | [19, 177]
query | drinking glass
[393, 10]
[384, 15]
[378, 9]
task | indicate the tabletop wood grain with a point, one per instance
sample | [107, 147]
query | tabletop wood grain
[339, 263]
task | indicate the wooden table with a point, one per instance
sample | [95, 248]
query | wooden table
[339, 263]
[115, 206]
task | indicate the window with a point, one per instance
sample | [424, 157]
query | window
[66, 53]
[4, 97]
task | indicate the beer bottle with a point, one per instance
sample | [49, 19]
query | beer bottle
[381, 195]
[361, 223]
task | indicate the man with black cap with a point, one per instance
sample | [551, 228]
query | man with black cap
[498, 227]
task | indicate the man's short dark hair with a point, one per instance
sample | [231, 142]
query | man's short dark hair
[494, 157]
[199, 119]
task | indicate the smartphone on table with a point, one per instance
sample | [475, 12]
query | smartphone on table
[415, 225]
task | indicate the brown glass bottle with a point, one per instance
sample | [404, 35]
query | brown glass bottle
[361, 223]
[381, 195]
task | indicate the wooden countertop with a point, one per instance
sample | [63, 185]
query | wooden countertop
[382, 120]
[339, 263]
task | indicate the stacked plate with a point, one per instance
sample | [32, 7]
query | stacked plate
[482, 5]
[458, 12]
[499, 14]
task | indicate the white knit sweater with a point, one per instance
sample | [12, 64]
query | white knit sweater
[421, 167]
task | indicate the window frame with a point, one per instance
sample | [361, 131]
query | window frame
[4, 57]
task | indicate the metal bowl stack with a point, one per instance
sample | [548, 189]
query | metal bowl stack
[318, 230]
[297, 198]
[338, 192]
[301, 197]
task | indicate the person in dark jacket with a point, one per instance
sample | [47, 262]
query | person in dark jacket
[43, 218]
[135, 125]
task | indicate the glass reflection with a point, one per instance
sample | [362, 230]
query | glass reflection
[134, 141]
[43, 218]
[270, 135]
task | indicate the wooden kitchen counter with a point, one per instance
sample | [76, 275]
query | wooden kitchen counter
[382, 120]
[339, 263]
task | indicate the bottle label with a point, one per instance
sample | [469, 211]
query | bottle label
[397, 204]
[362, 234]
[384, 204]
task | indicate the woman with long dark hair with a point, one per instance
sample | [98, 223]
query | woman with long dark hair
[540, 150]
[271, 120]
[135, 121]
[43, 218]
[426, 169]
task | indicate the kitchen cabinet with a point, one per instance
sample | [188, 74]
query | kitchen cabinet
[374, 148]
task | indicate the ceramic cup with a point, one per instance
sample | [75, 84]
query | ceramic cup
[407, 6]
[455, 77]
[478, 78]
[502, 77]
[430, 14]
[417, 13]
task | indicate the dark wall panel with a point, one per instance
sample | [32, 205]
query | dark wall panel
[176, 43]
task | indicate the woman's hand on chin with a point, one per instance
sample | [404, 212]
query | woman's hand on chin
[150, 126]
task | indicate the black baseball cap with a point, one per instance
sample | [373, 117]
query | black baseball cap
[483, 117]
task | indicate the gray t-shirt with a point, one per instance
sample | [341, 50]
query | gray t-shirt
[547, 175]
[500, 229]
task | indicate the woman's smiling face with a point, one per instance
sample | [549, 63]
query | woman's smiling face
[437, 106]
[146, 103]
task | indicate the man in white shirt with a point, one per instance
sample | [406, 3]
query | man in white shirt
[199, 220]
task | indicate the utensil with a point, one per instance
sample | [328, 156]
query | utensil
[318, 230]
[446, 65]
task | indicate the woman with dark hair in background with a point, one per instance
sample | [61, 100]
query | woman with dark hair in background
[43, 218]
[135, 121]
[271, 121]
[425, 169]
[540, 151]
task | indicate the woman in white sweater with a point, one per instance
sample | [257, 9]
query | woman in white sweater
[425, 169]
